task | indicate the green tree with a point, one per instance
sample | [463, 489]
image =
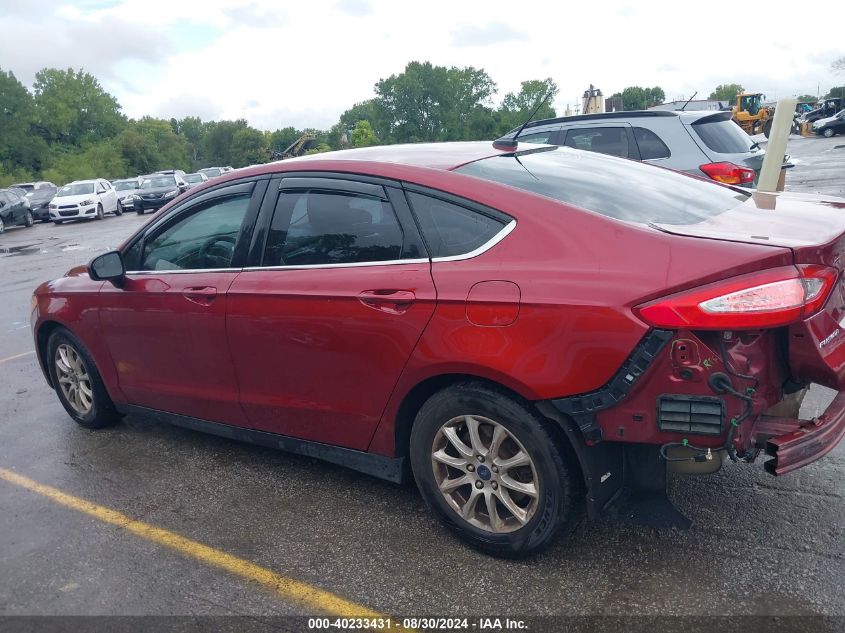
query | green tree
[431, 103]
[363, 135]
[802, 98]
[517, 107]
[248, 148]
[21, 151]
[726, 92]
[72, 108]
[101, 160]
[193, 129]
[281, 139]
[838, 91]
[637, 98]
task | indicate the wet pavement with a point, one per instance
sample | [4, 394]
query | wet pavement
[759, 545]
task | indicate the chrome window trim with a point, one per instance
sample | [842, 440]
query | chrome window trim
[389, 262]
[182, 271]
[506, 230]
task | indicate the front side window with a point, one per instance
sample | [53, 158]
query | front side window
[449, 229]
[604, 140]
[314, 228]
[204, 239]
[650, 145]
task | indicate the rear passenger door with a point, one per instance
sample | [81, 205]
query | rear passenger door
[323, 320]
[612, 139]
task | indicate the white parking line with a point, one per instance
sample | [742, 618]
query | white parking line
[8, 358]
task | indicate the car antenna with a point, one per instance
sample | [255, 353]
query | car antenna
[688, 100]
[512, 144]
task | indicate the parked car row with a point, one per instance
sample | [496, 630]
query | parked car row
[27, 202]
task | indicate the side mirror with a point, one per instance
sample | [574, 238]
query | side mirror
[108, 267]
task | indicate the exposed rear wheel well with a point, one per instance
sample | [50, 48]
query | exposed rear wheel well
[415, 399]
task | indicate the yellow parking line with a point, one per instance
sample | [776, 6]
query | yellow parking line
[3, 360]
[293, 590]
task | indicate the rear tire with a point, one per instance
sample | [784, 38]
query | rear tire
[828, 133]
[29, 221]
[77, 382]
[141, 212]
[518, 483]
[58, 221]
[2, 226]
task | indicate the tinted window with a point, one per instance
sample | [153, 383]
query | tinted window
[312, 228]
[723, 136]
[537, 137]
[621, 189]
[604, 140]
[650, 145]
[450, 229]
[204, 239]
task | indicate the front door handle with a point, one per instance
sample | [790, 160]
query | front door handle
[202, 295]
[388, 300]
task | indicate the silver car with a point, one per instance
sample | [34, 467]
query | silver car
[703, 143]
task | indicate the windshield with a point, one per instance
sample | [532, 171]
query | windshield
[158, 181]
[79, 189]
[211, 171]
[123, 186]
[193, 178]
[618, 188]
[25, 186]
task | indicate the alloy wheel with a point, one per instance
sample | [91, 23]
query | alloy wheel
[74, 379]
[485, 474]
[2, 226]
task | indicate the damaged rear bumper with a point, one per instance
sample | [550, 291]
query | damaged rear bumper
[794, 443]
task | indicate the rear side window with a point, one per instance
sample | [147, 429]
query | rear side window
[538, 137]
[604, 140]
[722, 136]
[650, 145]
[313, 228]
[621, 189]
[450, 229]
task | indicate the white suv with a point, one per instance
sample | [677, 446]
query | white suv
[84, 199]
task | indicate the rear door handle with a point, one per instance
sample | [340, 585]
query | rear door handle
[203, 295]
[388, 300]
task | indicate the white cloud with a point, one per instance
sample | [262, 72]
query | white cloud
[304, 63]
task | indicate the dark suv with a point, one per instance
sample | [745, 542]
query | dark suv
[703, 143]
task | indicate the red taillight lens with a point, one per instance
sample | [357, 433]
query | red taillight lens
[728, 173]
[770, 298]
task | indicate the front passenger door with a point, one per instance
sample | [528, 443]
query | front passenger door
[166, 326]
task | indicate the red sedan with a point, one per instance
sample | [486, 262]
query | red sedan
[527, 331]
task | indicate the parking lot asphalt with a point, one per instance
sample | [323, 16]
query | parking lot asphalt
[759, 544]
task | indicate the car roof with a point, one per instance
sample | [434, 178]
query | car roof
[687, 115]
[85, 182]
[432, 155]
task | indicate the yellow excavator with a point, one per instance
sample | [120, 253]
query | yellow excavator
[751, 115]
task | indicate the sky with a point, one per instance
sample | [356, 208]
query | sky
[302, 63]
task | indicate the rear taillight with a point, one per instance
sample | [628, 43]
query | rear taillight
[770, 298]
[728, 173]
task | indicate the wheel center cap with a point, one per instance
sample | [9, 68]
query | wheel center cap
[484, 472]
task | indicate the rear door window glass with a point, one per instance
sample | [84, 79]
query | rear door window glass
[314, 228]
[537, 137]
[723, 136]
[450, 229]
[604, 140]
[650, 145]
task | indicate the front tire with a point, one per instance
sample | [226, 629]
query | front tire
[99, 215]
[828, 133]
[29, 220]
[490, 470]
[77, 382]
[2, 226]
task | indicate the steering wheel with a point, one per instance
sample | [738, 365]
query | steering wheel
[219, 247]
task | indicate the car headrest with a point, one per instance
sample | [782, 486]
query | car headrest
[333, 214]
